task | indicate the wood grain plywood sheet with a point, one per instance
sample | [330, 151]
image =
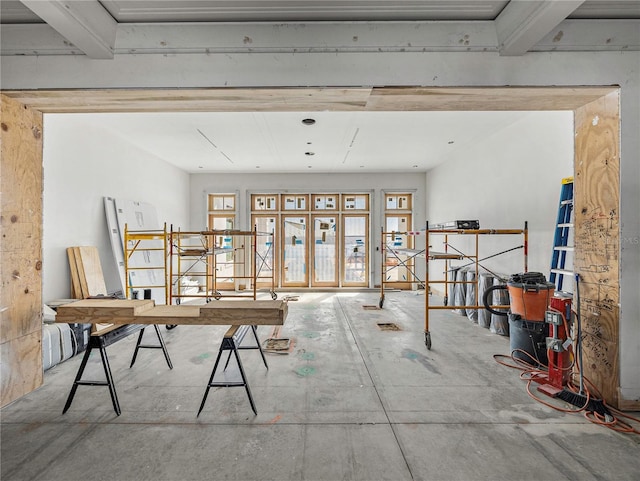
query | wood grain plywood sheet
[196, 100]
[20, 366]
[21, 186]
[103, 308]
[76, 288]
[247, 312]
[171, 314]
[122, 311]
[482, 99]
[88, 262]
[597, 240]
[21, 221]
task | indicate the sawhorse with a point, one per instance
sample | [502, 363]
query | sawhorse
[100, 341]
[231, 342]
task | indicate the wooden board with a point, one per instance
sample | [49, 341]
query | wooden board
[108, 308]
[597, 240]
[88, 261]
[76, 289]
[21, 361]
[21, 184]
[310, 99]
[121, 311]
[250, 312]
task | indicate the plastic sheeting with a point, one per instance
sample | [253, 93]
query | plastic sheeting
[452, 277]
[500, 324]
[485, 281]
[471, 297]
[460, 291]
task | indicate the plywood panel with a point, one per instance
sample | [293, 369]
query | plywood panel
[311, 99]
[489, 98]
[597, 239]
[20, 366]
[88, 262]
[196, 100]
[76, 289]
[126, 308]
[251, 312]
[122, 311]
[21, 249]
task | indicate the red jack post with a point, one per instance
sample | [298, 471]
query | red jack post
[559, 350]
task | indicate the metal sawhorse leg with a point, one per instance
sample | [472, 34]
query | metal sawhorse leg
[231, 342]
[100, 342]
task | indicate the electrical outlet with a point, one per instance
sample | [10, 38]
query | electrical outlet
[552, 317]
[554, 344]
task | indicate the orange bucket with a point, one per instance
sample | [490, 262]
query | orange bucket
[530, 296]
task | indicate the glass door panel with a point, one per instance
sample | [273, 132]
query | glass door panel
[325, 252]
[266, 242]
[397, 263]
[356, 259]
[224, 261]
[294, 251]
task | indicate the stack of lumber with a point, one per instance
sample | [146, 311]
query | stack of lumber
[87, 279]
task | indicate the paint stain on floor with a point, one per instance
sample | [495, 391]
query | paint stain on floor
[416, 356]
[305, 371]
[201, 358]
[310, 334]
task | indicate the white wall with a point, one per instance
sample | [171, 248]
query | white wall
[376, 184]
[82, 165]
[504, 180]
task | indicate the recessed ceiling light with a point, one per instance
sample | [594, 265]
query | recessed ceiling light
[308, 121]
[309, 153]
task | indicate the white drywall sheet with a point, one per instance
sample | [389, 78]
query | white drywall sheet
[137, 216]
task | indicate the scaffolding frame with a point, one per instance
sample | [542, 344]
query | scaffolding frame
[451, 253]
[395, 256]
[137, 241]
[191, 249]
[265, 261]
[194, 253]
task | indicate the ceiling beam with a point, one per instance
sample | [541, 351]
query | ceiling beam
[523, 23]
[85, 24]
[334, 99]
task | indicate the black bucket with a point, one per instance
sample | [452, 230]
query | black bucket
[530, 337]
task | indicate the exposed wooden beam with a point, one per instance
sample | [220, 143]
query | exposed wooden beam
[309, 99]
[85, 24]
[523, 23]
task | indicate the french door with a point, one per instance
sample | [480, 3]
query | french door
[325, 251]
[295, 256]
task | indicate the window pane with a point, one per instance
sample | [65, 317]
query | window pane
[355, 249]
[324, 250]
[295, 259]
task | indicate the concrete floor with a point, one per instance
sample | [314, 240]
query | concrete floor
[349, 402]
